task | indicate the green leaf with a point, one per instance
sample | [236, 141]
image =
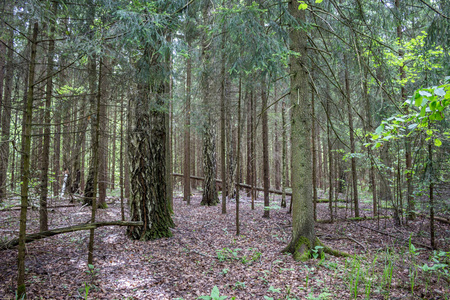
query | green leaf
[418, 101]
[425, 93]
[302, 5]
[215, 292]
[377, 145]
[437, 142]
[439, 92]
[319, 1]
[379, 129]
[412, 126]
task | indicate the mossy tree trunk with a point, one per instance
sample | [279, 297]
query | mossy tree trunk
[147, 150]
[303, 232]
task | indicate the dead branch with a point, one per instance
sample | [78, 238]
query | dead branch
[44, 234]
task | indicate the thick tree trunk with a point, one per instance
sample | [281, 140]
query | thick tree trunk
[209, 196]
[147, 151]
[26, 151]
[303, 232]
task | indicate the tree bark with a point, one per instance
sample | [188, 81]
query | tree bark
[284, 154]
[209, 196]
[265, 141]
[43, 217]
[147, 150]
[303, 231]
[187, 131]
[352, 140]
[26, 151]
[6, 119]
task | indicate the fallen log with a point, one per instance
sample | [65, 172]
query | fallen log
[44, 234]
[355, 219]
[243, 185]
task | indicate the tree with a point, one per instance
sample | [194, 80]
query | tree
[303, 232]
[26, 151]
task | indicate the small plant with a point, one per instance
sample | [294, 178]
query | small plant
[239, 285]
[215, 295]
[225, 271]
[86, 290]
[92, 272]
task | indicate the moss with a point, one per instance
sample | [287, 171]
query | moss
[331, 251]
[301, 249]
[102, 206]
[21, 292]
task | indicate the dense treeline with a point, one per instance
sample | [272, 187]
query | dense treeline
[319, 100]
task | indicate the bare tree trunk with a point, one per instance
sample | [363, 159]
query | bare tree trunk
[43, 217]
[238, 159]
[6, 119]
[284, 154]
[187, 131]
[277, 155]
[26, 151]
[103, 138]
[331, 186]
[209, 196]
[303, 232]
[113, 152]
[314, 154]
[352, 140]
[222, 130]
[95, 162]
[265, 141]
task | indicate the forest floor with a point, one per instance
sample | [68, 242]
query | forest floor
[205, 252]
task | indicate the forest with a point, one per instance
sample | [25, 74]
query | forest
[213, 149]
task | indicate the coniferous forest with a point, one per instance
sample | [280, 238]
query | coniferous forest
[213, 149]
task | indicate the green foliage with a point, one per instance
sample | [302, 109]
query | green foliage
[428, 105]
[215, 295]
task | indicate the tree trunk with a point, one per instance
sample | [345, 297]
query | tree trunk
[26, 151]
[238, 159]
[6, 119]
[331, 186]
[284, 154]
[103, 138]
[147, 150]
[187, 131]
[95, 162]
[265, 141]
[43, 217]
[352, 140]
[303, 232]
[222, 130]
[314, 154]
[209, 196]
[89, 191]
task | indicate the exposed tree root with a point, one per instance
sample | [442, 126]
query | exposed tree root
[331, 251]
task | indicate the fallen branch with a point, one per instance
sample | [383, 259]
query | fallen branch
[395, 237]
[43, 234]
[355, 219]
[443, 220]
